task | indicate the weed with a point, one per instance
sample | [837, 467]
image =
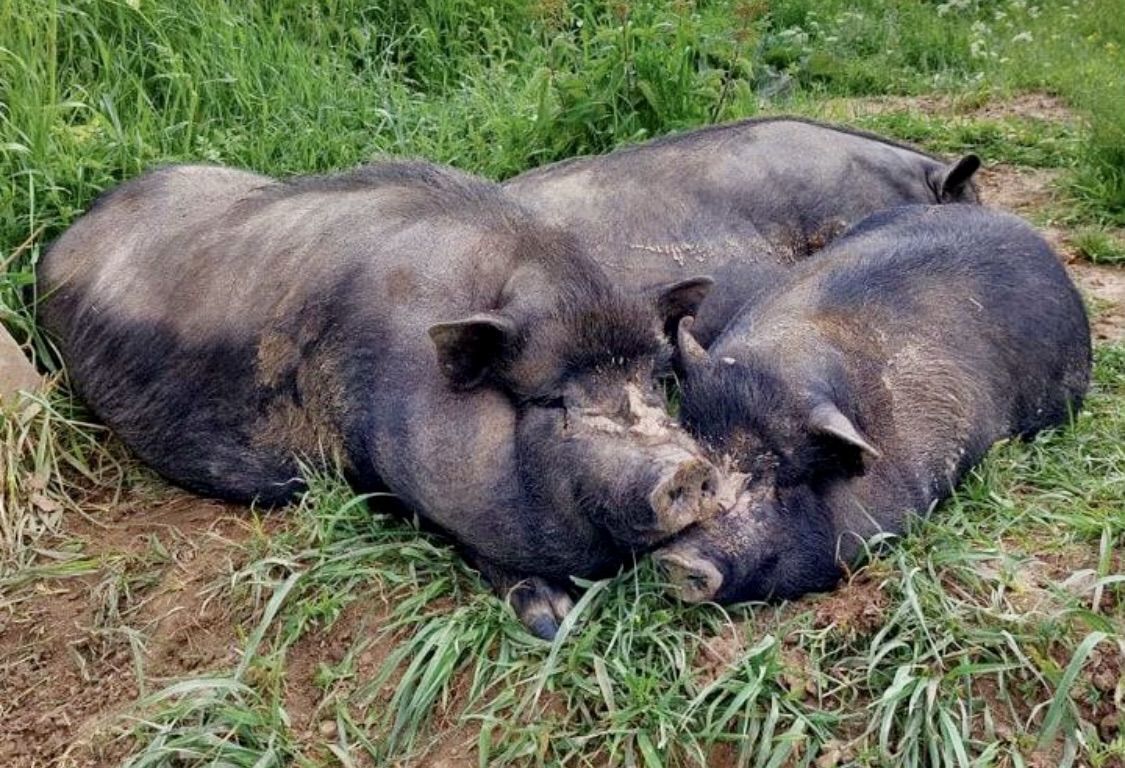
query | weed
[1099, 246]
[50, 459]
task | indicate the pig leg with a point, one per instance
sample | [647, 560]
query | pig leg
[541, 604]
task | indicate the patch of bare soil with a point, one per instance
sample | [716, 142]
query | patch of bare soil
[327, 670]
[1027, 106]
[1030, 106]
[455, 749]
[1107, 286]
[1019, 190]
[455, 744]
[77, 652]
[1099, 693]
[349, 642]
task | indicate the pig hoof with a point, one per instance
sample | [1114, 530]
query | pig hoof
[688, 496]
[540, 605]
[693, 578]
[543, 627]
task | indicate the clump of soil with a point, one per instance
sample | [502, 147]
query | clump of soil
[1105, 677]
[717, 655]
[858, 608]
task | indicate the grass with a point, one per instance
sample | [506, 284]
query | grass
[50, 460]
[974, 641]
[1099, 247]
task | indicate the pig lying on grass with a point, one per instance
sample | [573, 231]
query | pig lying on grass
[864, 389]
[409, 322]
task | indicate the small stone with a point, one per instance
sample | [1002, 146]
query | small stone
[327, 729]
[16, 371]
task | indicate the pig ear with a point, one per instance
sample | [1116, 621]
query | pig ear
[688, 350]
[681, 299]
[826, 419]
[468, 349]
[952, 180]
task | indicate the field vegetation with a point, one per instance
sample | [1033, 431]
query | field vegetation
[140, 625]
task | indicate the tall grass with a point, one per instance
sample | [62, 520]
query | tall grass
[94, 91]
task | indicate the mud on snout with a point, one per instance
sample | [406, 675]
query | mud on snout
[651, 478]
[763, 546]
[697, 563]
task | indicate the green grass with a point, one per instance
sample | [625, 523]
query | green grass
[1099, 247]
[983, 623]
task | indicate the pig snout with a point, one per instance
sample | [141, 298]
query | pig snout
[693, 576]
[685, 493]
[697, 564]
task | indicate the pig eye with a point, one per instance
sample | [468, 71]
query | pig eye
[555, 402]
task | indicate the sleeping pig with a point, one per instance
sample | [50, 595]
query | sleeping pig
[406, 321]
[862, 391]
[739, 202]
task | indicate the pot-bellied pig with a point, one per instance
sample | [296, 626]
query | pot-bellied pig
[739, 202]
[862, 391]
[408, 321]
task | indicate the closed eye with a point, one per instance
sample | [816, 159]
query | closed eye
[548, 401]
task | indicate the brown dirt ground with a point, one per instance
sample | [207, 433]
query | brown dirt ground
[1028, 106]
[67, 666]
[68, 671]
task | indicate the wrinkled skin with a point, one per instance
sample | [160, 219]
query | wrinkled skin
[863, 390]
[740, 202]
[410, 324]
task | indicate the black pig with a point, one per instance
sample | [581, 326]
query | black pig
[408, 321]
[863, 390]
[739, 202]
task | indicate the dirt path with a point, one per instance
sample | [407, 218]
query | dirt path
[1027, 106]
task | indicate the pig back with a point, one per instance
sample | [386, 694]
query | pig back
[206, 313]
[741, 202]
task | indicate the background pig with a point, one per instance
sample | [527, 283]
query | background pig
[408, 321]
[863, 390]
[739, 202]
